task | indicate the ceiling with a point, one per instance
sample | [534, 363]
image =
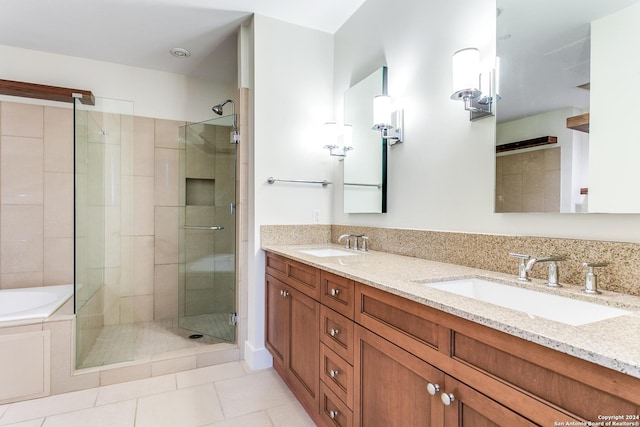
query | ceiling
[141, 32]
[544, 49]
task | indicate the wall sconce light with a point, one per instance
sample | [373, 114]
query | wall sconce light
[389, 123]
[468, 82]
[332, 132]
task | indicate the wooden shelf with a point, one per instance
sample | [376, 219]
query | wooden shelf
[50, 93]
[580, 122]
[528, 143]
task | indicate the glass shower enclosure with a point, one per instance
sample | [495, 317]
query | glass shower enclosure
[103, 190]
[207, 269]
[119, 315]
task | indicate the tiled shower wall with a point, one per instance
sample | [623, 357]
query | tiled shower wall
[36, 210]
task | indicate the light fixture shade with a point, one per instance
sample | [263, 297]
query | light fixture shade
[466, 70]
[381, 112]
[347, 135]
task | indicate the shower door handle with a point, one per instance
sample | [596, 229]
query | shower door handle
[202, 227]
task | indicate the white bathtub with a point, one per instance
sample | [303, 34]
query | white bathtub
[32, 303]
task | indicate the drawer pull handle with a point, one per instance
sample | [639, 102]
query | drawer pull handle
[432, 389]
[333, 414]
[334, 292]
[284, 293]
[334, 332]
[333, 373]
[447, 398]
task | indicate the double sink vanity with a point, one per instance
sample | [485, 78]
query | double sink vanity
[378, 339]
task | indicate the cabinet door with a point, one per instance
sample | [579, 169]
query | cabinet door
[391, 385]
[466, 407]
[303, 362]
[277, 320]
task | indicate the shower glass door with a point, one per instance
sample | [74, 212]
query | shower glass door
[207, 286]
[103, 188]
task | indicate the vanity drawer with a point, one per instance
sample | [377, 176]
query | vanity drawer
[336, 374]
[559, 378]
[336, 332]
[332, 410]
[337, 292]
[406, 323]
[302, 277]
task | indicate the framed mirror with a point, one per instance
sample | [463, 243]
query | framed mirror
[365, 167]
[565, 134]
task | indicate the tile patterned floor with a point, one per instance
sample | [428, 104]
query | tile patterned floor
[227, 395]
[135, 341]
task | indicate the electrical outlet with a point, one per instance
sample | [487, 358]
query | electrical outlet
[316, 216]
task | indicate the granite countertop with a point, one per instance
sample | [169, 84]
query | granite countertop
[613, 343]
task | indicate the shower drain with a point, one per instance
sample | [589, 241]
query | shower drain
[195, 336]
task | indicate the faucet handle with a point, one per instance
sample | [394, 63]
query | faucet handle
[592, 265]
[522, 267]
[591, 280]
[521, 256]
[365, 244]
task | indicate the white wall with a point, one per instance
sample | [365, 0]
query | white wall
[292, 98]
[154, 93]
[442, 177]
[615, 134]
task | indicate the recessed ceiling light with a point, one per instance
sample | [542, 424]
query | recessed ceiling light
[179, 52]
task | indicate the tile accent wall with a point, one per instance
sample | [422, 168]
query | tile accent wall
[484, 251]
[36, 203]
[36, 209]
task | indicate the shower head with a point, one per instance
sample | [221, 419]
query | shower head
[218, 108]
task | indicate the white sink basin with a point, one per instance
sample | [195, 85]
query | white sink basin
[327, 252]
[535, 304]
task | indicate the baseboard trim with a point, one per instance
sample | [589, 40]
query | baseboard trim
[257, 359]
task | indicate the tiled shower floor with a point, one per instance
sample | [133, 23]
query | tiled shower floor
[136, 341]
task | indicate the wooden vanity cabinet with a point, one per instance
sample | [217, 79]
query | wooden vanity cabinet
[525, 379]
[391, 385]
[365, 357]
[292, 339]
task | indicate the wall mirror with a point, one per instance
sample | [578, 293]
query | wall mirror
[365, 167]
[566, 140]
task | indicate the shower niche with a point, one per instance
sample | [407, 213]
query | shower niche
[200, 192]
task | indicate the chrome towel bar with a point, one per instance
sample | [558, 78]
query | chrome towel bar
[363, 185]
[202, 227]
[272, 180]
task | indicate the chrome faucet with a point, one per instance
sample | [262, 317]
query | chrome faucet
[356, 242]
[522, 267]
[591, 280]
[553, 268]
